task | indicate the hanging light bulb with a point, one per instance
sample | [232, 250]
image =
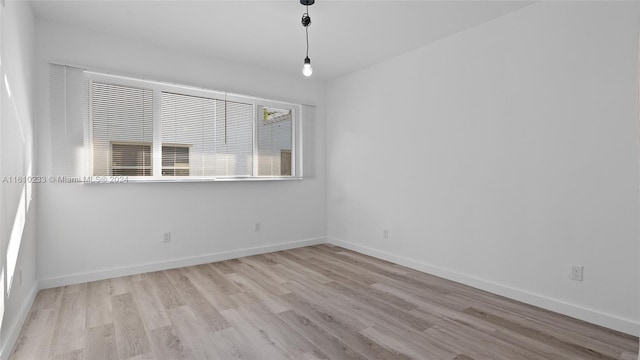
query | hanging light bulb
[307, 70]
[306, 21]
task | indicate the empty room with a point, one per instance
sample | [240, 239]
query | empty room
[319, 179]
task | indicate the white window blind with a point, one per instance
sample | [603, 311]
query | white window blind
[217, 133]
[189, 121]
[122, 119]
[152, 131]
[235, 140]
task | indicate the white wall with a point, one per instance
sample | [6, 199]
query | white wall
[17, 215]
[91, 231]
[499, 157]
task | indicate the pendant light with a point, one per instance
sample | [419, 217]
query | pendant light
[307, 70]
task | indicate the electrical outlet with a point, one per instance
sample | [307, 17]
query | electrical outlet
[166, 238]
[257, 227]
[385, 233]
[576, 272]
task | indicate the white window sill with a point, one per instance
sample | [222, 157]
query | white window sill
[179, 179]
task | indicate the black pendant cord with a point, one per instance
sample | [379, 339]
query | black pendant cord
[306, 29]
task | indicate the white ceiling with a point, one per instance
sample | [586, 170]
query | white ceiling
[344, 35]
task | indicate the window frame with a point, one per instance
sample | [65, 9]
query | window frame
[156, 145]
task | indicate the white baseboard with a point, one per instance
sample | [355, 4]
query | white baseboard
[593, 316]
[172, 264]
[14, 329]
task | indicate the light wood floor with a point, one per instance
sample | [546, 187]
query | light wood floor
[319, 302]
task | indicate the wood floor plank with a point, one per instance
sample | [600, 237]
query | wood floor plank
[400, 348]
[293, 343]
[81, 287]
[216, 274]
[167, 344]
[230, 345]
[255, 337]
[222, 267]
[336, 306]
[329, 247]
[153, 313]
[381, 264]
[430, 295]
[69, 330]
[357, 264]
[463, 357]
[197, 303]
[290, 274]
[479, 344]
[71, 355]
[193, 335]
[120, 285]
[330, 345]
[628, 356]
[300, 268]
[260, 278]
[98, 305]
[145, 356]
[165, 290]
[319, 302]
[552, 322]
[48, 298]
[264, 266]
[336, 325]
[273, 302]
[544, 350]
[34, 341]
[582, 333]
[571, 346]
[100, 342]
[301, 253]
[385, 311]
[209, 289]
[435, 312]
[411, 340]
[130, 334]
[333, 267]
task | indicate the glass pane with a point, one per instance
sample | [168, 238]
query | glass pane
[168, 156]
[274, 142]
[181, 156]
[131, 160]
[175, 160]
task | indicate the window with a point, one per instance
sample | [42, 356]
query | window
[157, 131]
